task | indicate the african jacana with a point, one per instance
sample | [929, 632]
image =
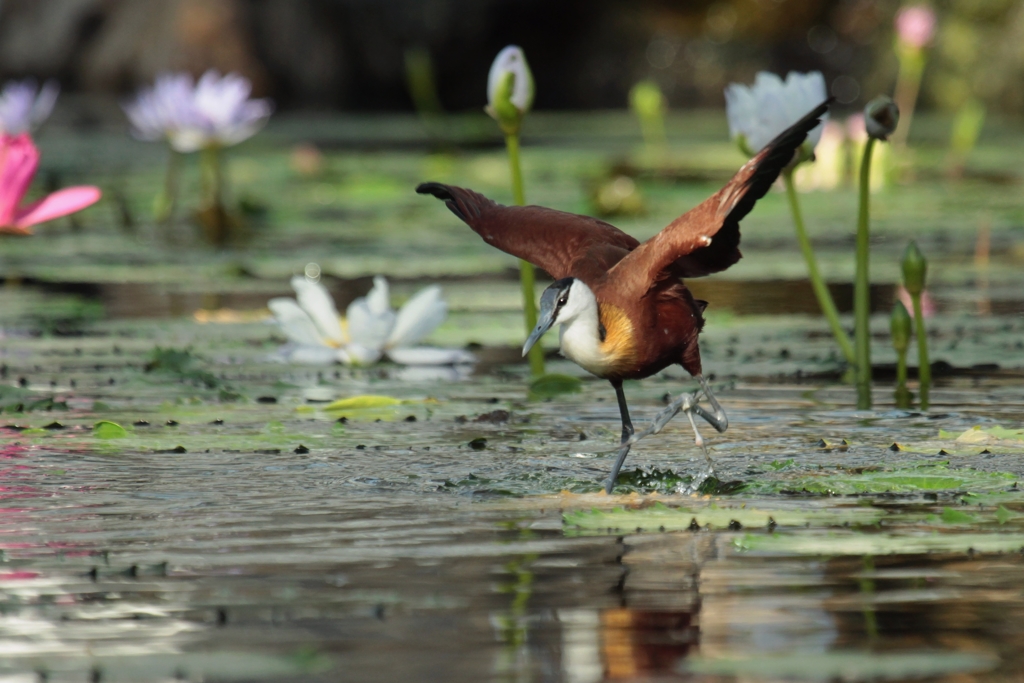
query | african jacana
[622, 306]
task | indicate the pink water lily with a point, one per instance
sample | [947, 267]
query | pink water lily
[19, 160]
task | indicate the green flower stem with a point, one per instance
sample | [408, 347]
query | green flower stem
[213, 177]
[217, 223]
[862, 286]
[167, 200]
[924, 368]
[527, 278]
[828, 306]
[903, 396]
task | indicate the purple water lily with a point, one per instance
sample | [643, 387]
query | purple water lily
[161, 111]
[215, 112]
[24, 106]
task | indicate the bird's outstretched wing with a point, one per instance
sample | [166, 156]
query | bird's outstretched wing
[706, 239]
[563, 244]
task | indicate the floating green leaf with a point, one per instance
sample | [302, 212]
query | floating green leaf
[1003, 515]
[553, 384]
[978, 435]
[105, 429]
[836, 543]
[848, 666]
[663, 518]
[364, 402]
[954, 516]
[900, 480]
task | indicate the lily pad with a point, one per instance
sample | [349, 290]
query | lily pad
[663, 518]
[978, 435]
[364, 402]
[105, 429]
[857, 544]
[848, 666]
[899, 480]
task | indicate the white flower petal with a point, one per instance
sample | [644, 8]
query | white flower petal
[295, 322]
[740, 109]
[511, 60]
[379, 298]
[312, 355]
[432, 373]
[317, 302]
[420, 316]
[430, 355]
[804, 92]
[771, 105]
[357, 354]
[370, 318]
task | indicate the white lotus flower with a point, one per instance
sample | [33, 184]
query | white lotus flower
[23, 106]
[215, 112]
[370, 330]
[511, 60]
[760, 112]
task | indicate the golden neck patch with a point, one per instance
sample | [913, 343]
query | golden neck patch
[619, 343]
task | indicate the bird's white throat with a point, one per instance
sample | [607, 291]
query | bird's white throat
[579, 334]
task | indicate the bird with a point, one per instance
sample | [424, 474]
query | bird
[622, 307]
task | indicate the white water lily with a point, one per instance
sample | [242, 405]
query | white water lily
[369, 331]
[760, 112]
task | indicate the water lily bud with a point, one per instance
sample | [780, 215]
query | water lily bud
[509, 88]
[647, 100]
[900, 325]
[915, 26]
[915, 269]
[881, 116]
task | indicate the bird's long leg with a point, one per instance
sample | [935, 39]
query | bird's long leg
[627, 434]
[716, 418]
[687, 403]
[627, 424]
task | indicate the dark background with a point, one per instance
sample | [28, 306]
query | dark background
[351, 54]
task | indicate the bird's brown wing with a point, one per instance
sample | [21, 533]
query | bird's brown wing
[563, 244]
[706, 239]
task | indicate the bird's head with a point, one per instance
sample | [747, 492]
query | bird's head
[560, 304]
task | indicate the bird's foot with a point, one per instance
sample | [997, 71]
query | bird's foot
[688, 403]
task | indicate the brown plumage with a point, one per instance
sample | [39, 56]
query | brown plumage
[647, 319]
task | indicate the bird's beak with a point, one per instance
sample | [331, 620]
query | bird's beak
[547, 319]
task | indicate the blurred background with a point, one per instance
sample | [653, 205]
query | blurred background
[372, 98]
[353, 54]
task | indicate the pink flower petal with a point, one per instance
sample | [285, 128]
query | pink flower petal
[60, 203]
[19, 159]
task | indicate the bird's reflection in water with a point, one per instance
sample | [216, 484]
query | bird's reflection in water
[636, 642]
